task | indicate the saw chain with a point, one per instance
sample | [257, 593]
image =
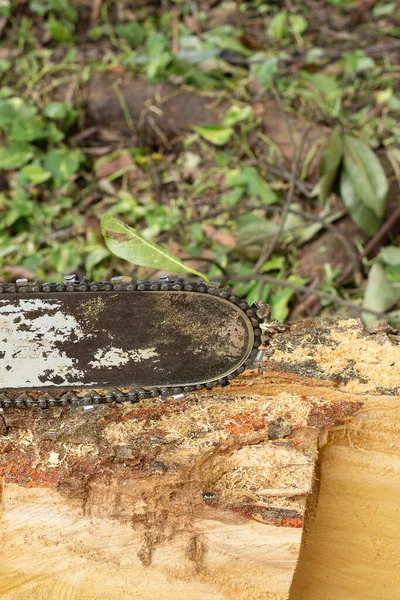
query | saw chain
[88, 399]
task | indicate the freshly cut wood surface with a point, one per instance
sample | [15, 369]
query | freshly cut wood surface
[203, 498]
[351, 546]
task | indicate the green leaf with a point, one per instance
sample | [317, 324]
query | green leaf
[298, 23]
[276, 263]
[392, 272]
[390, 255]
[15, 155]
[366, 173]
[236, 114]
[327, 86]
[158, 54]
[156, 44]
[94, 258]
[5, 8]
[129, 244]
[278, 25]
[60, 30]
[265, 71]
[35, 174]
[64, 8]
[21, 207]
[280, 300]
[27, 129]
[62, 163]
[256, 186]
[330, 163]
[133, 32]
[252, 232]
[232, 197]
[384, 9]
[5, 91]
[56, 110]
[380, 294]
[362, 215]
[394, 103]
[216, 134]
[7, 114]
[357, 61]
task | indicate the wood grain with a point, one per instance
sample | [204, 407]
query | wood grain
[179, 496]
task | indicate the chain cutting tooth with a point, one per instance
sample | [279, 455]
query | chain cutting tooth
[47, 399]
[23, 398]
[260, 355]
[133, 397]
[118, 282]
[87, 399]
[23, 285]
[3, 400]
[119, 396]
[70, 397]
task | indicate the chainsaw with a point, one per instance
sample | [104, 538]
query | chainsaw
[85, 343]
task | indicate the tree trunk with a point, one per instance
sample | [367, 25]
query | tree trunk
[205, 498]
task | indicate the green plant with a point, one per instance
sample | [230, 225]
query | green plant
[353, 168]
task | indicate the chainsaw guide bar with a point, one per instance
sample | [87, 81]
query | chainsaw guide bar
[80, 343]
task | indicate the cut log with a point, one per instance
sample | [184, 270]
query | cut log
[205, 498]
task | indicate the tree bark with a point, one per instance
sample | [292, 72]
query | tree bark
[205, 498]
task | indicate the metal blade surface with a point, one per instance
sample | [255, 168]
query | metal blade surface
[110, 339]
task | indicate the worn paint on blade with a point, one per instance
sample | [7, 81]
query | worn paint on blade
[113, 357]
[30, 335]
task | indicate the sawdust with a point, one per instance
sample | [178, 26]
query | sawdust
[346, 353]
[210, 419]
[93, 307]
[252, 469]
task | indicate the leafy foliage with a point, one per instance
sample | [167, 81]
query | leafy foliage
[219, 194]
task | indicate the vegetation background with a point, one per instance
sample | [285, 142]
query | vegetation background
[257, 141]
